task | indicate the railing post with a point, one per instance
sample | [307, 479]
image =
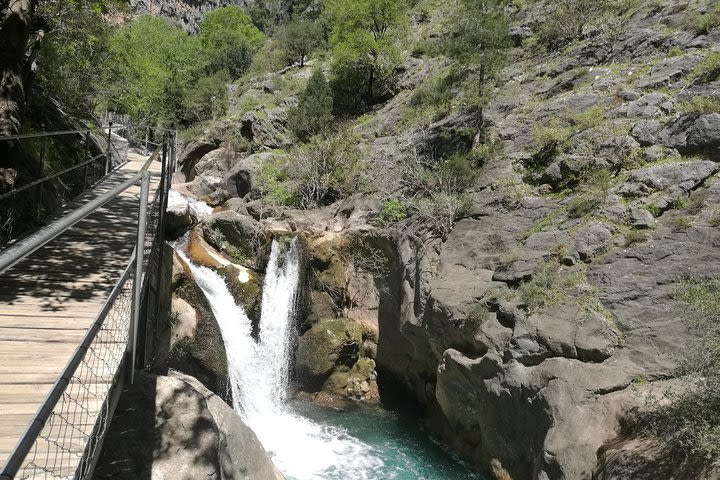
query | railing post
[87, 158]
[43, 144]
[109, 145]
[147, 138]
[137, 282]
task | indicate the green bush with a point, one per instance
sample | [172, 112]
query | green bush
[327, 169]
[440, 211]
[567, 19]
[681, 223]
[153, 64]
[313, 115]
[592, 195]
[634, 236]
[699, 105]
[703, 24]
[689, 419]
[393, 211]
[273, 182]
[708, 70]
[551, 284]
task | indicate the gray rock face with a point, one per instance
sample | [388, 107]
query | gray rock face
[188, 13]
[641, 218]
[701, 133]
[669, 71]
[645, 132]
[592, 240]
[674, 178]
[173, 427]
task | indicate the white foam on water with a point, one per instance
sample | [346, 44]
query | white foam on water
[198, 207]
[259, 377]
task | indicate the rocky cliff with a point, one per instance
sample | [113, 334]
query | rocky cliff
[544, 313]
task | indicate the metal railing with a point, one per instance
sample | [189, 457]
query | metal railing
[18, 203]
[65, 437]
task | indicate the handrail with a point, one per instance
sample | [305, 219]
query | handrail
[11, 256]
[15, 191]
[33, 430]
[58, 133]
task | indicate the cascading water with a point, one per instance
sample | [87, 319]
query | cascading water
[258, 373]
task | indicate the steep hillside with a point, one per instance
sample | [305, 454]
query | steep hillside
[515, 252]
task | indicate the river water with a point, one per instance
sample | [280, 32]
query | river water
[306, 442]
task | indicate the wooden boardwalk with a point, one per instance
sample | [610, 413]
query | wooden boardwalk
[48, 301]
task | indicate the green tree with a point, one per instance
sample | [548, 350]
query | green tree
[230, 38]
[364, 37]
[73, 52]
[313, 115]
[298, 39]
[153, 64]
[481, 38]
[206, 98]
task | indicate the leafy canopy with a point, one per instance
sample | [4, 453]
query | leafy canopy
[153, 63]
[364, 37]
[298, 39]
[230, 38]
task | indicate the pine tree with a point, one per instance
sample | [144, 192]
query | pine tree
[313, 115]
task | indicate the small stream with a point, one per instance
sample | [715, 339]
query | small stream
[304, 441]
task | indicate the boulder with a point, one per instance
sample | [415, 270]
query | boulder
[191, 154]
[641, 218]
[674, 178]
[592, 240]
[173, 427]
[327, 344]
[645, 132]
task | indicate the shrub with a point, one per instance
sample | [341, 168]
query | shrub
[634, 236]
[551, 131]
[393, 211]
[708, 70]
[440, 211]
[690, 420]
[592, 117]
[272, 182]
[313, 115]
[326, 170]
[681, 223]
[699, 105]
[703, 24]
[567, 19]
[593, 194]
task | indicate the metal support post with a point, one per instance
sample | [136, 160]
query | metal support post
[137, 282]
[43, 146]
[109, 145]
[87, 157]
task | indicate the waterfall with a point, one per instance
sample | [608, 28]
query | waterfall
[259, 372]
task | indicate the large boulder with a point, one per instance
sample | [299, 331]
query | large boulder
[172, 427]
[329, 343]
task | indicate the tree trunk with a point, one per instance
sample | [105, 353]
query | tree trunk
[14, 36]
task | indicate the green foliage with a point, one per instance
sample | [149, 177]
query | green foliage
[393, 211]
[153, 63]
[480, 36]
[551, 131]
[73, 52]
[313, 115]
[634, 236]
[298, 39]
[327, 169]
[708, 70]
[689, 419]
[699, 105]
[681, 223]
[441, 210]
[551, 284]
[592, 194]
[272, 182]
[703, 24]
[567, 19]
[592, 117]
[364, 36]
[207, 98]
[230, 39]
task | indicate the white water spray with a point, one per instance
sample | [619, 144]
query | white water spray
[259, 372]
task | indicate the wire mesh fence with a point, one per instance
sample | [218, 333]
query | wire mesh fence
[70, 440]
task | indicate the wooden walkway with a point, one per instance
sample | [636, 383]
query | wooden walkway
[48, 301]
